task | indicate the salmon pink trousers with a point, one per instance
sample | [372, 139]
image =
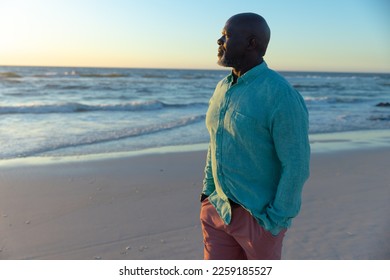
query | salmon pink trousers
[242, 239]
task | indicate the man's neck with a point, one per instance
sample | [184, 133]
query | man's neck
[238, 72]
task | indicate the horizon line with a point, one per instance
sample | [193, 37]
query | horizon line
[200, 69]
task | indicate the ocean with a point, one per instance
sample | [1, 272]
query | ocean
[70, 111]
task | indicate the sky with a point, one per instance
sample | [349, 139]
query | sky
[306, 35]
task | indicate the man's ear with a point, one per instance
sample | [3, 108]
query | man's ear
[252, 43]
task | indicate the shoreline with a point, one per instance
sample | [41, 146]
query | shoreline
[321, 143]
[146, 207]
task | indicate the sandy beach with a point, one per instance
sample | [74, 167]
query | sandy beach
[146, 207]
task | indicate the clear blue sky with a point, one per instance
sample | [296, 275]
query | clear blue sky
[312, 35]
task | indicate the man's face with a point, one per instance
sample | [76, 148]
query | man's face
[232, 46]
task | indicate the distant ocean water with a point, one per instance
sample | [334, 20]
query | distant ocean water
[57, 111]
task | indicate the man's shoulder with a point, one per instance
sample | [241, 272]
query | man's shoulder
[271, 84]
[276, 87]
[276, 79]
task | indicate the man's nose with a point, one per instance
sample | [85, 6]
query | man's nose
[220, 41]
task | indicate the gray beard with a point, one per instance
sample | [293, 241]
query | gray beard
[228, 62]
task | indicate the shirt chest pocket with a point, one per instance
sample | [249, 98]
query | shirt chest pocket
[240, 125]
[245, 130]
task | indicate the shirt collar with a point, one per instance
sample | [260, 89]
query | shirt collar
[249, 75]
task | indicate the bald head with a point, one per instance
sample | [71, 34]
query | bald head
[243, 43]
[254, 27]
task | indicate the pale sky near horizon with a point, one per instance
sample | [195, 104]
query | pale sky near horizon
[307, 35]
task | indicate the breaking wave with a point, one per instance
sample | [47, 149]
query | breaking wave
[80, 107]
[104, 136]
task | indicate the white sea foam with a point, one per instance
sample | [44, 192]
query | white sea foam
[73, 107]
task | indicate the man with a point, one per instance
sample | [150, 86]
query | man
[258, 157]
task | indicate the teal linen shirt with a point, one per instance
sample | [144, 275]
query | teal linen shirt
[259, 150]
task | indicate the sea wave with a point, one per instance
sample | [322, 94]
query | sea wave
[74, 73]
[108, 75]
[307, 87]
[67, 87]
[93, 138]
[155, 76]
[74, 107]
[332, 100]
[7, 75]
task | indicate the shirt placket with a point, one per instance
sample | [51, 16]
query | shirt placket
[220, 136]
